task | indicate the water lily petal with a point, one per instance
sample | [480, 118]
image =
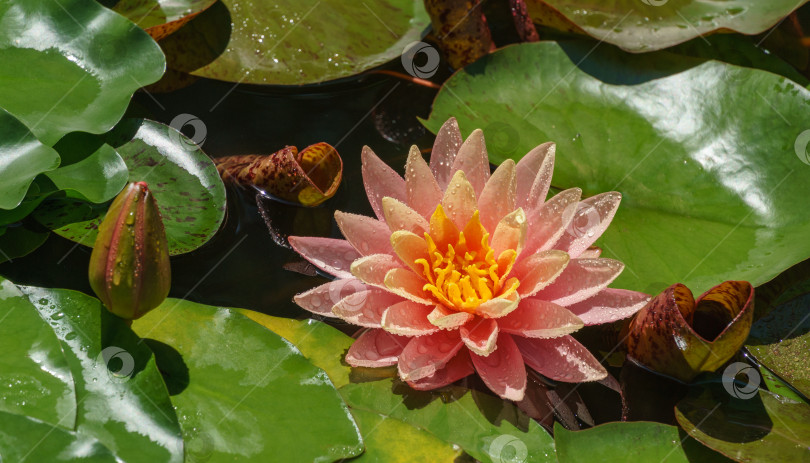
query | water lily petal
[540, 270]
[591, 253]
[367, 234]
[399, 216]
[459, 200]
[380, 181]
[405, 283]
[408, 318]
[331, 255]
[533, 176]
[498, 197]
[458, 367]
[510, 233]
[561, 359]
[540, 319]
[448, 141]
[442, 229]
[372, 269]
[665, 335]
[502, 370]
[376, 348]
[472, 159]
[447, 319]
[321, 299]
[480, 335]
[550, 221]
[424, 355]
[498, 307]
[409, 247]
[591, 219]
[609, 305]
[365, 308]
[420, 184]
[581, 279]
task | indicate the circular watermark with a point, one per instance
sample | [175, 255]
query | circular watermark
[198, 447]
[196, 140]
[654, 2]
[586, 218]
[428, 66]
[341, 289]
[800, 147]
[107, 49]
[119, 363]
[508, 449]
[502, 137]
[738, 388]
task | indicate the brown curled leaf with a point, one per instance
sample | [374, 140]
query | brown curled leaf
[461, 30]
[161, 18]
[681, 337]
[309, 177]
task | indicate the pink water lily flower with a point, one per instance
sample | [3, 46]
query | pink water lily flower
[462, 271]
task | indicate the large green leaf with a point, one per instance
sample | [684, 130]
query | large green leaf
[26, 439]
[653, 24]
[186, 185]
[34, 376]
[122, 400]
[71, 65]
[294, 42]
[709, 186]
[18, 240]
[22, 157]
[765, 427]
[243, 392]
[98, 177]
[392, 441]
[630, 441]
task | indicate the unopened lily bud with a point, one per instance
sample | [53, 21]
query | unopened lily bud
[129, 266]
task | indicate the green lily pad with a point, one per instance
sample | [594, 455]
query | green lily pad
[393, 441]
[640, 26]
[19, 240]
[630, 441]
[26, 439]
[777, 386]
[97, 178]
[71, 65]
[186, 185]
[693, 211]
[765, 427]
[23, 158]
[293, 42]
[122, 400]
[34, 376]
[243, 392]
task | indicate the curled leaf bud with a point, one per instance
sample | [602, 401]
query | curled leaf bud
[129, 266]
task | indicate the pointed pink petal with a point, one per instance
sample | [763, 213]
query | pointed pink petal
[609, 305]
[409, 247]
[548, 223]
[540, 319]
[425, 355]
[447, 319]
[423, 191]
[405, 283]
[448, 141]
[366, 234]
[380, 181]
[539, 270]
[561, 359]
[591, 253]
[365, 308]
[503, 371]
[497, 307]
[458, 367]
[591, 219]
[408, 318]
[459, 200]
[472, 159]
[498, 197]
[320, 299]
[480, 335]
[510, 233]
[533, 176]
[399, 216]
[333, 256]
[375, 348]
[581, 279]
[372, 269]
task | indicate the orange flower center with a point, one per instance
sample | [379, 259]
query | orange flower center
[462, 269]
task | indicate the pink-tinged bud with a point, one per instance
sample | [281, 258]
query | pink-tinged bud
[129, 266]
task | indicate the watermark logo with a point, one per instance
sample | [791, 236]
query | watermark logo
[508, 449]
[196, 140]
[800, 147]
[340, 289]
[199, 447]
[428, 66]
[737, 388]
[501, 137]
[119, 363]
[586, 219]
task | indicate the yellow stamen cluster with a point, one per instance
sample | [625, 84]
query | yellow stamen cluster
[466, 274]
